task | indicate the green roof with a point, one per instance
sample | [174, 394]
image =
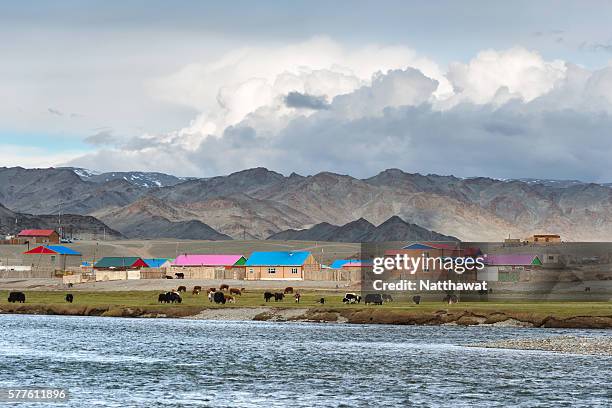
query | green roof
[117, 262]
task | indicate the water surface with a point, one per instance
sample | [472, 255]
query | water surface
[170, 362]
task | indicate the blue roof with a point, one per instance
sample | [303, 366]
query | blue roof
[62, 250]
[338, 263]
[418, 246]
[279, 258]
[155, 262]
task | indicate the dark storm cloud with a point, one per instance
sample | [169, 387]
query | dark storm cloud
[306, 101]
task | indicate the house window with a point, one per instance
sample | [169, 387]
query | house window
[551, 257]
[52, 258]
[271, 270]
[250, 270]
[294, 270]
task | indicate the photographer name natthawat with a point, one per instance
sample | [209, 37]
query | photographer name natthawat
[427, 285]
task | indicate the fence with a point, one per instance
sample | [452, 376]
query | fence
[207, 273]
[334, 275]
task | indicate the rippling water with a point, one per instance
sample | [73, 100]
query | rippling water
[166, 362]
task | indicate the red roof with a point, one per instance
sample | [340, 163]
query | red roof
[40, 250]
[36, 233]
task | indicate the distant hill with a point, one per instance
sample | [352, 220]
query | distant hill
[394, 229]
[258, 203]
[151, 217]
[73, 225]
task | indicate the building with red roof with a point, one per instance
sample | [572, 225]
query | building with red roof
[39, 236]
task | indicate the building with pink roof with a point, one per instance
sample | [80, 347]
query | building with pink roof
[209, 260]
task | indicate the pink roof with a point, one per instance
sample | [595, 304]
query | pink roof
[206, 260]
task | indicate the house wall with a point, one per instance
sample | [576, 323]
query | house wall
[544, 239]
[296, 272]
[51, 239]
[103, 275]
[50, 262]
[208, 272]
[280, 272]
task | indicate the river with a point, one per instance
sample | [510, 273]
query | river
[179, 362]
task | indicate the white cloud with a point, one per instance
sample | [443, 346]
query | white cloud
[521, 72]
[504, 113]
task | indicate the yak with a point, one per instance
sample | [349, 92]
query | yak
[416, 299]
[351, 298]
[235, 291]
[219, 297]
[288, 289]
[373, 298]
[179, 275]
[169, 297]
[16, 297]
[182, 289]
[268, 296]
[224, 287]
[69, 298]
[278, 297]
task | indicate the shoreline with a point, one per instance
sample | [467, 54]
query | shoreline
[366, 315]
[582, 345]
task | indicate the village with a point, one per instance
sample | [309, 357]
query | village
[539, 262]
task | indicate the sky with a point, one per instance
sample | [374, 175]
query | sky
[192, 88]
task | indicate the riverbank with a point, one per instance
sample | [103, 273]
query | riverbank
[250, 306]
[600, 346]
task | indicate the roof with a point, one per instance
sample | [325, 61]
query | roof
[345, 263]
[430, 245]
[209, 260]
[52, 250]
[120, 262]
[36, 233]
[278, 258]
[155, 262]
[512, 260]
[337, 264]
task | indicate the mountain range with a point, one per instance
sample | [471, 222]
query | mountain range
[394, 229]
[259, 203]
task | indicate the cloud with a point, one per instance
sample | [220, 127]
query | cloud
[55, 112]
[305, 101]
[508, 113]
[101, 138]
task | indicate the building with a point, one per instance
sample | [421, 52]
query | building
[120, 263]
[221, 261]
[281, 265]
[209, 266]
[508, 267]
[39, 236]
[544, 239]
[157, 262]
[52, 258]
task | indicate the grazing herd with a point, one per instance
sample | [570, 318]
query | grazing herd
[220, 297]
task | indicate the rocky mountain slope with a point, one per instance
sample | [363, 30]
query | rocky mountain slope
[394, 229]
[258, 203]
